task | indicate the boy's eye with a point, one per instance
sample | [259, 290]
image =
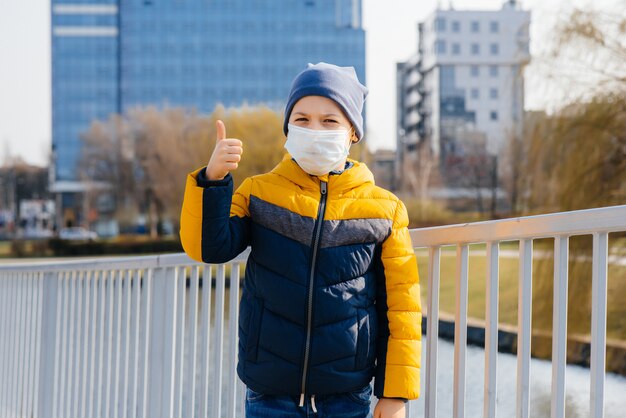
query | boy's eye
[330, 120]
[301, 119]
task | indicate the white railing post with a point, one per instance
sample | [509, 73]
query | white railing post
[146, 304]
[491, 330]
[559, 326]
[205, 353]
[48, 345]
[180, 342]
[220, 285]
[524, 323]
[432, 331]
[460, 329]
[37, 339]
[161, 362]
[19, 324]
[193, 338]
[8, 380]
[4, 337]
[598, 323]
[233, 327]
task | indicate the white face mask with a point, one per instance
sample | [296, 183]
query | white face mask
[317, 151]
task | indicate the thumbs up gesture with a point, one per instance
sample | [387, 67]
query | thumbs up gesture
[226, 155]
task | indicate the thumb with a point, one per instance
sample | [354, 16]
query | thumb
[221, 130]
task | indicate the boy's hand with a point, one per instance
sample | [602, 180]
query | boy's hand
[226, 155]
[389, 408]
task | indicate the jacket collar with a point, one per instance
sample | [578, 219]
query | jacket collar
[343, 182]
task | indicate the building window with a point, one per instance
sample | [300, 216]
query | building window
[493, 93]
[493, 70]
[440, 47]
[475, 93]
[456, 26]
[475, 49]
[440, 24]
[494, 26]
[475, 26]
[474, 70]
[493, 115]
[456, 49]
[494, 48]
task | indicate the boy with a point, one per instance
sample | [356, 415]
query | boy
[331, 295]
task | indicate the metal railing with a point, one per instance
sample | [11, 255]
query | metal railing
[125, 337]
[118, 337]
[560, 226]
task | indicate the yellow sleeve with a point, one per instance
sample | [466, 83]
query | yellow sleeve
[398, 362]
[214, 221]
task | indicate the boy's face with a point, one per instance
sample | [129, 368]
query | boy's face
[320, 113]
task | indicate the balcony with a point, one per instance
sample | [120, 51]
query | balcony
[142, 336]
[412, 118]
[412, 79]
[411, 99]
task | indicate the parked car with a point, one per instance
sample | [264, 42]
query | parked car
[77, 233]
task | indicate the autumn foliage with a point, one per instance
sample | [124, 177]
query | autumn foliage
[147, 153]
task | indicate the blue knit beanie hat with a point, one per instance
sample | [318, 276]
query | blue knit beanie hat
[340, 84]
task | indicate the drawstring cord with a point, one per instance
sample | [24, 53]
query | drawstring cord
[312, 402]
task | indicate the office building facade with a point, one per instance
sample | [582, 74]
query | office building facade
[464, 87]
[110, 55]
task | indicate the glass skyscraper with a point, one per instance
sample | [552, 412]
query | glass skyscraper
[109, 55]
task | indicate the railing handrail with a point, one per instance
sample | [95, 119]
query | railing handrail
[114, 262]
[577, 222]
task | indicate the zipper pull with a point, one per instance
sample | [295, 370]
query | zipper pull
[324, 187]
[301, 399]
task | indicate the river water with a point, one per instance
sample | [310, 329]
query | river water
[577, 387]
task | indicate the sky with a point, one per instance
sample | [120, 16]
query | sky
[391, 36]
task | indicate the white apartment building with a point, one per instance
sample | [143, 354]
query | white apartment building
[465, 81]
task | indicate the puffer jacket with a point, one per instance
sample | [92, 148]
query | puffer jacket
[331, 293]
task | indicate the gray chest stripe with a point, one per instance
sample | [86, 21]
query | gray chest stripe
[355, 231]
[300, 228]
[281, 220]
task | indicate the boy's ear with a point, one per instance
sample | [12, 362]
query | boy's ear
[354, 138]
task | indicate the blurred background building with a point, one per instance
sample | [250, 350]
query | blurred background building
[27, 208]
[460, 99]
[109, 55]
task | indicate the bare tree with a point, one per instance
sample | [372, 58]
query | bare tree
[147, 153]
[575, 158]
[468, 166]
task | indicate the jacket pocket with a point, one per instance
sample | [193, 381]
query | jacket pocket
[363, 339]
[361, 396]
[254, 330]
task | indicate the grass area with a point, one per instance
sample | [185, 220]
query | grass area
[508, 283]
[578, 313]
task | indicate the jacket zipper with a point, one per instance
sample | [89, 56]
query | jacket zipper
[317, 234]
